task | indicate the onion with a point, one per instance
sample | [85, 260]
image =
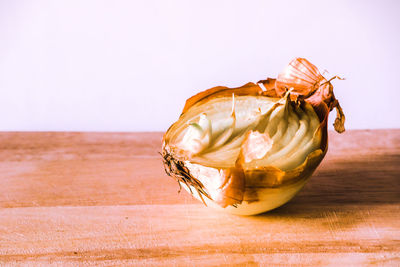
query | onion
[250, 149]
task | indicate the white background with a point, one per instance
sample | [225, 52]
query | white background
[130, 65]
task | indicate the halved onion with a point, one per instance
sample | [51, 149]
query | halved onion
[250, 149]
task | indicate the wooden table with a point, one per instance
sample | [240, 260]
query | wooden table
[103, 199]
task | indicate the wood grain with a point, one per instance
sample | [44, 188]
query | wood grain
[103, 199]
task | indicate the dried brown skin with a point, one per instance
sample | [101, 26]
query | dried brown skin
[233, 188]
[306, 82]
[242, 184]
[300, 75]
[219, 91]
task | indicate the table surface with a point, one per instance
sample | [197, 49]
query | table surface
[104, 199]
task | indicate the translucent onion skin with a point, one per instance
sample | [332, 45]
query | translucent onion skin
[248, 189]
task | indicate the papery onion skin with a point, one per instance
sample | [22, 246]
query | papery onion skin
[247, 191]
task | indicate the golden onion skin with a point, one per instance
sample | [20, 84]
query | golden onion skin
[241, 188]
